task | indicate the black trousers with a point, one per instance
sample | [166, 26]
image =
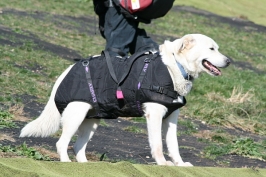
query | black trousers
[120, 32]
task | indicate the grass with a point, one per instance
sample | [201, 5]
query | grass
[6, 120]
[236, 99]
[244, 9]
[103, 123]
[134, 129]
[189, 126]
[138, 119]
[240, 146]
[24, 150]
[213, 111]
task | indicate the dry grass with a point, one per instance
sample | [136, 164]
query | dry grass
[9, 155]
[4, 136]
[51, 154]
[92, 156]
[18, 113]
[237, 96]
[204, 134]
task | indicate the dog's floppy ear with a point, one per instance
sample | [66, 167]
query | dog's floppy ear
[188, 42]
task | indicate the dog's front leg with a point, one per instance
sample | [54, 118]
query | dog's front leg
[169, 130]
[154, 114]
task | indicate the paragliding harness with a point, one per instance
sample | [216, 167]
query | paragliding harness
[117, 87]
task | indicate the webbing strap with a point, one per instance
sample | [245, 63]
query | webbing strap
[143, 71]
[89, 81]
[173, 94]
[141, 77]
[119, 93]
[127, 69]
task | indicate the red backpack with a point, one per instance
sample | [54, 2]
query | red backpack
[135, 5]
[144, 10]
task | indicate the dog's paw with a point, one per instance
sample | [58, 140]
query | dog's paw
[169, 163]
[185, 164]
[65, 160]
[166, 163]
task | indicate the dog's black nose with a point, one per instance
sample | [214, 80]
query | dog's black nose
[228, 61]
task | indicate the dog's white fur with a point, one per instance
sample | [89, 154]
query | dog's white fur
[189, 51]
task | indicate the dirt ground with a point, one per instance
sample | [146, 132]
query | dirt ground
[113, 140]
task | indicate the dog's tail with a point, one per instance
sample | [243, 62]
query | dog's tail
[49, 120]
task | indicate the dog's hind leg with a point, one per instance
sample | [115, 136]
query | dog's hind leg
[154, 114]
[85, 133]
[169, 130]
[72, 118]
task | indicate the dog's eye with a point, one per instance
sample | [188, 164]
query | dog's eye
[212, 48]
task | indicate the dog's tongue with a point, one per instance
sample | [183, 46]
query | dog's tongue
[212, 68]
[215, 70]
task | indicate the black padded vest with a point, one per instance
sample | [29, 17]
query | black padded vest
[141, 78]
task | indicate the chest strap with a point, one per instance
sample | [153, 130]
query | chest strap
[140, 79]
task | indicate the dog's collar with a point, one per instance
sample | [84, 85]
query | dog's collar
[183, 71]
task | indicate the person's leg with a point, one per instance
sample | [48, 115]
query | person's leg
[100, 9]
[119, 32]
[142, 42]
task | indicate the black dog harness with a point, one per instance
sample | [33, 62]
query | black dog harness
[117, 87]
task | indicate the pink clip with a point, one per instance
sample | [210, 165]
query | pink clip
[119, 94]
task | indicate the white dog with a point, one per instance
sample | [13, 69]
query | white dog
[194, 53]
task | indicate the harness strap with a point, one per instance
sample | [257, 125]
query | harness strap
[144, 69]
[89, 81]
[119, 93]
[129, 64]
[141, 77]
[161, 90]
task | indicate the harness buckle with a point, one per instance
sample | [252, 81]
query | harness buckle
[160, 90]
[147, 60]
[157, 89]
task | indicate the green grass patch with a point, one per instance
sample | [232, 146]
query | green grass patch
[103, 123]
[138, 119]
[6, 120]
[134, 129]
[189, 127]
[239, 146]
[240, 9]
[24, 150]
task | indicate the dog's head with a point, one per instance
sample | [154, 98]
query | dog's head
[197, 53]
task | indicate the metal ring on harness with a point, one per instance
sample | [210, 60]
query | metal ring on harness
[85, 63]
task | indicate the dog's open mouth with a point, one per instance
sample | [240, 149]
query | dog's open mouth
[210, 67]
